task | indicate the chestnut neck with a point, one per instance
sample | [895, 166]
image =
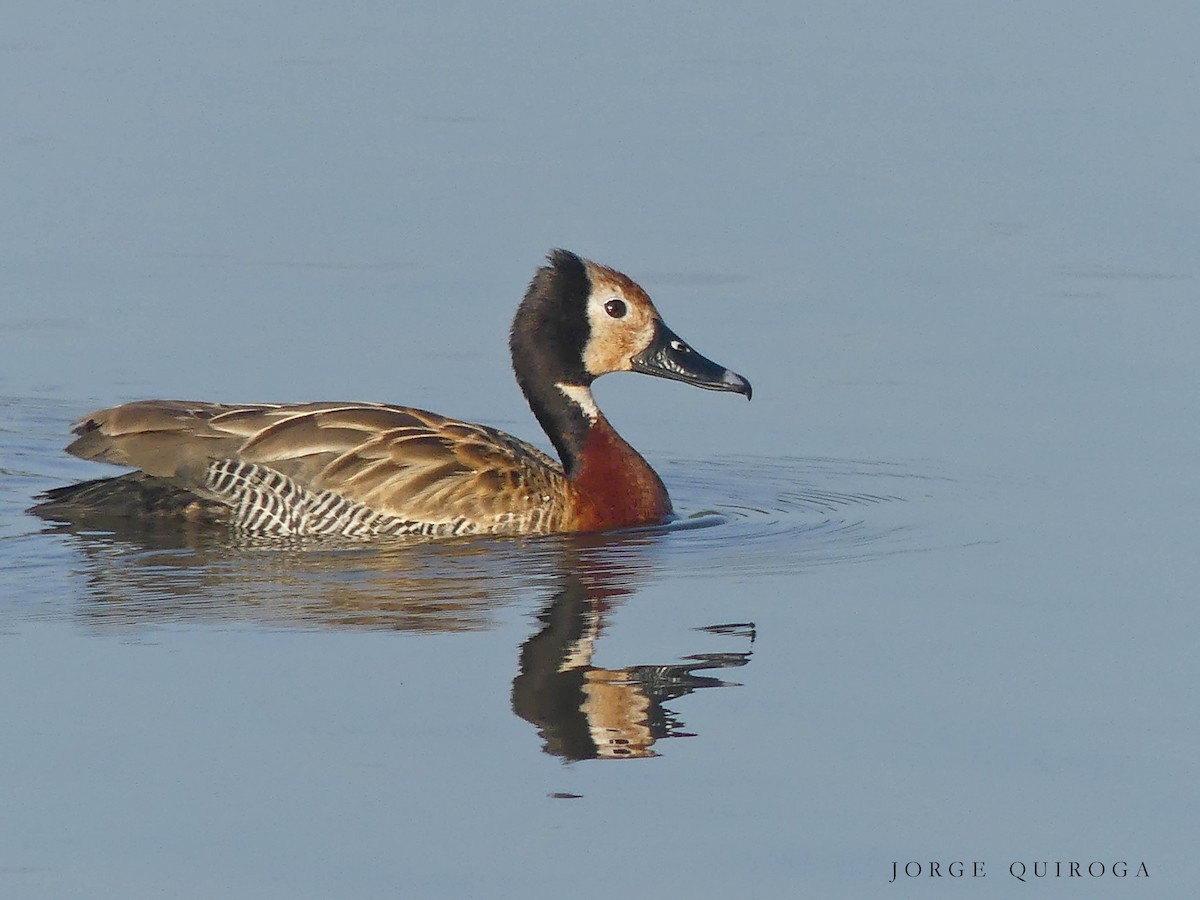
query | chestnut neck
[617, 488]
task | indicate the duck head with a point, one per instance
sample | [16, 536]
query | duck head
[580, 320]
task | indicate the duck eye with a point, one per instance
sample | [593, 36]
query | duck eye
[615, 308]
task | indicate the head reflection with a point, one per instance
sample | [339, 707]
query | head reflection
[584, 711]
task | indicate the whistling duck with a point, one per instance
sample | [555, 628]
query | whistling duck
[360, 469]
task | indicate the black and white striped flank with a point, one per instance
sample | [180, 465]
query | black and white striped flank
[268, 502]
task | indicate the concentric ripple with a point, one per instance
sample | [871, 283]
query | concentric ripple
[783, 514]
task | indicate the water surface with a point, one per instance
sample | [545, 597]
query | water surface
[930, 595]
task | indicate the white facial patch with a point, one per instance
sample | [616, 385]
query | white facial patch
[581, 396]
[621, 321]
[613, 341]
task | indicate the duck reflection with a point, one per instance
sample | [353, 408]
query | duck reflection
[136, 575]
[588, 712]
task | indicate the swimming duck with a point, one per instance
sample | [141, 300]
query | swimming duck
[361, 469]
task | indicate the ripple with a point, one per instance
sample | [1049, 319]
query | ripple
[754, 514]
[738, 516]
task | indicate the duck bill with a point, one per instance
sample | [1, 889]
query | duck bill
[670, 357]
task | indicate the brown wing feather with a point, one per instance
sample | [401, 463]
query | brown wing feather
[161, 437]
[401, 461]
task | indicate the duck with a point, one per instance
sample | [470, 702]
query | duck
[374, 469]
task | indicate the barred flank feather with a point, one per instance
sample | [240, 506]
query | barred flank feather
[268, 502]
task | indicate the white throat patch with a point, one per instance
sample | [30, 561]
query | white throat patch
[581, 396]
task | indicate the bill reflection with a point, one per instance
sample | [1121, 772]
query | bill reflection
[584, 711]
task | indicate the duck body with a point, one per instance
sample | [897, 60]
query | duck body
[367, 469]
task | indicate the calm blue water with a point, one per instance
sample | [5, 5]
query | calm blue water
[932, 595]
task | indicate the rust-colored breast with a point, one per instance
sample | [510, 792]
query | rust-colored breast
[615, 487]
